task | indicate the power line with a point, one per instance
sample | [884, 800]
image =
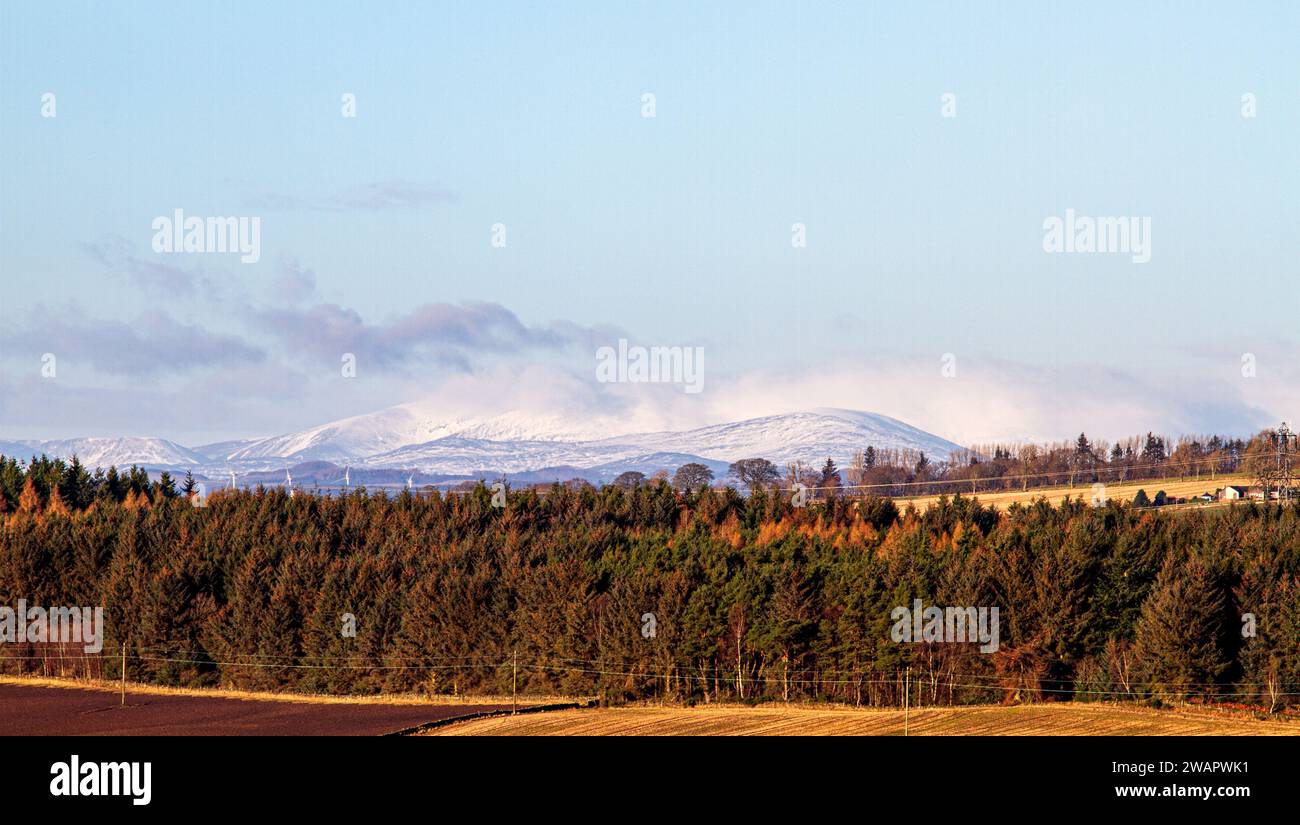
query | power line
[1286, 441]
[602, 667]
[1024, 476]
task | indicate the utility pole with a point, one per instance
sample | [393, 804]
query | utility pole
[1285, 441]
[514, 683]
[123, 674]
[907, 696]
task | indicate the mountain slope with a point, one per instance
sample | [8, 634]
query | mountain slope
[408, 437]
[373, 434]
[809, 436]
[120, 452]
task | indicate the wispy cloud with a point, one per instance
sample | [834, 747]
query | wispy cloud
[156, 277]
[997, 400]
[366, 197]
[484, 359]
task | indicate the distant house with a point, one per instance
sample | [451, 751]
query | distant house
[1274, 494]
[1206, 497]
[1234, 492]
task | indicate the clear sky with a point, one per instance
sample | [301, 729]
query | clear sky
[924, 232]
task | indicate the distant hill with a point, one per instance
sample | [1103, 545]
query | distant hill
[404, 439]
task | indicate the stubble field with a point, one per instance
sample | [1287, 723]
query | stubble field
[1173, 487]
[1024, 720]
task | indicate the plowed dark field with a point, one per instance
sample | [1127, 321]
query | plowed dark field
[49, 711]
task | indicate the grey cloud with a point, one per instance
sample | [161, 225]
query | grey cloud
[153, 343]
[587, 338]
[293, 282]
[445, 334]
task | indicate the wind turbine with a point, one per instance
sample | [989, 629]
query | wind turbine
[288, 481]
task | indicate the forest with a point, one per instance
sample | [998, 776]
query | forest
[647, 592]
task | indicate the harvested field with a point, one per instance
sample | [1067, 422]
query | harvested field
[42, 710]
[272, 696]
[1023, 720]
[1173, 487]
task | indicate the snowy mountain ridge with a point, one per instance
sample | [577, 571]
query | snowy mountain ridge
[406, 437]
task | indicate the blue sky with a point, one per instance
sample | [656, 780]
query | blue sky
[924, 232]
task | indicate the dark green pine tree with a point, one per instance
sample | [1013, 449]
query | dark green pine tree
[1082, 447]
[11, 482]
[830, 474]
[76, 485]
[1153, 451]
[1180, 631]
[189, 486]
[137, 480]
[791, 625]
[1272, 602]
[114, 487]
[1126, 578]
[166, 485]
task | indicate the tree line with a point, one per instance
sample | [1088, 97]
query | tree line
[1006, 467]
[645, 591]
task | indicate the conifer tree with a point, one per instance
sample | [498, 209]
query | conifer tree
[1180, 630]
[830, 477]
[113, 487]
[29, 501]
[56, 505]
[166, 485]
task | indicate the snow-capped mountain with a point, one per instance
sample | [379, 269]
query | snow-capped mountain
[809, 436]
[348, 439]
[222, 450]
[381, 433]
[407, 437]
[103, 452]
